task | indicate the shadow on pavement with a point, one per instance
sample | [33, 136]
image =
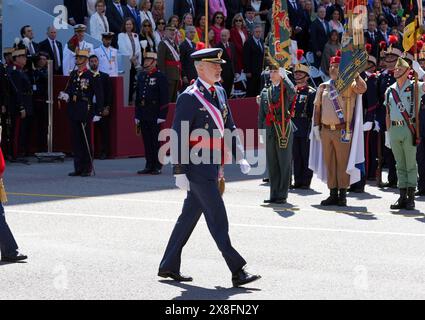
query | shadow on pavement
[362, 196]
[192, 292]
[284, 210]
[360, 213]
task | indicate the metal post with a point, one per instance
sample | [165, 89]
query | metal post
[206, 23]
[50, 106]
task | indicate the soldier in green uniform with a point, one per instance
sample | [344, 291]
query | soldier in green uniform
[401, 130]
[279, 130]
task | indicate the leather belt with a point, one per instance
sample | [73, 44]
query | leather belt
[401, 123]
[334, 127]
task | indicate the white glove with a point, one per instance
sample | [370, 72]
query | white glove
[417, 67]
[245, 166]
[96, 118]
[136, 121]
[26, 41]
[387, 140]
[283, 74]
[159, 121]
[63, 96]
[316, 133]
[261, 138]
[258, 99]
[377, 127]
[182, 182]
[367, 126]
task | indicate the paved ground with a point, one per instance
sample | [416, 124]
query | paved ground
[103, 238]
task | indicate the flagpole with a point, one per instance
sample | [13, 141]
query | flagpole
[416, 85]
[206, 22]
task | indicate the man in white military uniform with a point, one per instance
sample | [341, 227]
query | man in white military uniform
[107, 55]
[69, 52]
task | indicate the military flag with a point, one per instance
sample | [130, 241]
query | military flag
[279, 39]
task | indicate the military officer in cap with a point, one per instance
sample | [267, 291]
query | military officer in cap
[151, 110]
[400, 136]
[81, 88]
[204, 105]
[386, 79]
[303, 114]
[332, 117]
[77, 41]
[107, 55]
[275, 116]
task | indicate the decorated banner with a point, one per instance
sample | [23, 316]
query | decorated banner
[279, 39]
[353, 53]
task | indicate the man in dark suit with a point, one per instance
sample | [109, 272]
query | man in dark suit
[393, 18]
[204, 106]
[371, 36]
[299, 21]
[28, 36]
[182, 7]
[77, 11]
[253, 57]
[229, 54]
[116, 13]
[383, 31]
[135, 14]
[54, 49]
[319, 34]
[187, 47]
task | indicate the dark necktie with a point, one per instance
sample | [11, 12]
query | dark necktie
[55, 55]
[120, 10]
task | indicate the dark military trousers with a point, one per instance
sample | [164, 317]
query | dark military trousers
[82, 161]
[173, 88]
[420, 158]
[150, 133]
[279, 164]
[8, 245]
[203, 197]
[300, 154]
[388, 160]
[102, 127]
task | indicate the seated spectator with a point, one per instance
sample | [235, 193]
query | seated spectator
[158, 9]
[145, 7]
[217, 25]
[200, 27]
[238, 36]
[186, 22]
[159, 32]
[98, 22]
[129, 45]
[331, 47]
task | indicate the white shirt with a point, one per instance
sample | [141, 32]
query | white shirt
[108, 60]
[55, 48]
[206, 85]
[69, 57]
[125, 48]
[97, 27]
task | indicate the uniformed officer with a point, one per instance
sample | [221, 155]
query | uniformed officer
[102, 114]
[303, 113]
[77, 41]
[386, 79]
[420, 155]
[107, 55]
[151, 110]
[5, 101]
[21, 101]
[401, 131]
[8, 246]
[371, 126]
[169, 61]
[203, 105]
[81, 88]
[279, 137]
[331, 119]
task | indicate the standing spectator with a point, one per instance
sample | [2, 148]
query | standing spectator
[27, 38]
[234, 7]
[376, 7]
[91, 7]
[135, 14]
[217, 6]
[337, 6]
[383, 31]
[181, 7]
[371, 36]
[54, 49]
[250, 20]
[299, 23]
[98, 22]
[200, 27]
[335, 23]
[319, 31]
[393, 18]
[147, 39]
[159, 32]
[309, 8]
[158, 10]
[253, 52]
[329, 51]
[188, 47]
[217, 25]
[238, 36]
[211, 38]
[77, 11]
[169, 61]
[107, 55]
[229, 55]
[145, 7]
[116, 13]
[129, 45]
[175, 22]
[77, 41]
[186, 22]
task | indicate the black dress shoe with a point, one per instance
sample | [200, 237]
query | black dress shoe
[270, 201]
[74, 174]
[242, 277]
[145, 171]
[155, 172]
[420, 193]
[177, 276]
[266, 180]
[86, 174]
[296, 185]
[305, 187]
[16, 258]
[280, 201]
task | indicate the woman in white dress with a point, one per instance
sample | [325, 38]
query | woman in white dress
[98, 21]
[145, 13]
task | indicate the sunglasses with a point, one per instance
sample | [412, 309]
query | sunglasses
[161, 23]
[239, 20]
[147, 26]
[219, 17]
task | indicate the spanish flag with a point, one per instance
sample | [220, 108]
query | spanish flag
[409, 35]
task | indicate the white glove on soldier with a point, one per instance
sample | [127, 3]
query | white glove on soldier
[283, 74]
[245, 166]
[316, 133]
[182, 182]
[261, 138]
[377, 127]
[387, 140]
[63, 96]
[96, 118]
[417, 67]
[159, 121]
[367, 126]
[136, 121]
